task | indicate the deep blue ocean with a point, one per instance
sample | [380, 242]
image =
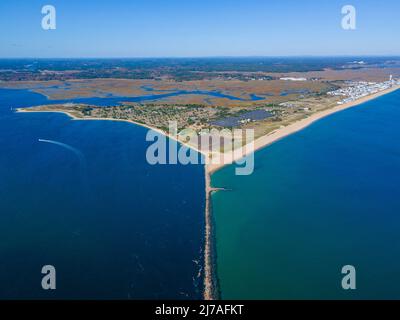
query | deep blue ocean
[112, 225]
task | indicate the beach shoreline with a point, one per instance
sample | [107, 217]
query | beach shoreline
[75, 118]
[297, 126]
[247, 149]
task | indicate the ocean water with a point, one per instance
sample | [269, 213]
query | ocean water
[318, 200]
[87, 202]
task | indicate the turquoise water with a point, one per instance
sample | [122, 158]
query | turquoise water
[320, 199]
[112, 225]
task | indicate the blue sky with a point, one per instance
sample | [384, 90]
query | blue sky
[159, 28]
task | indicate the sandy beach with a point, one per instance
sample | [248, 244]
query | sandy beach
[283, 132]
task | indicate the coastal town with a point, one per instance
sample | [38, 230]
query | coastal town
[357, 90]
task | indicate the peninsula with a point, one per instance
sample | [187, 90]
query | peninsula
[288, 118]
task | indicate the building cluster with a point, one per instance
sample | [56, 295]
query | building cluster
[293, 79]
[360, 89]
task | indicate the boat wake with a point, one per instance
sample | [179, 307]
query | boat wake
[79, 154]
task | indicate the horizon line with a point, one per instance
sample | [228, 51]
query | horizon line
[212, 57]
